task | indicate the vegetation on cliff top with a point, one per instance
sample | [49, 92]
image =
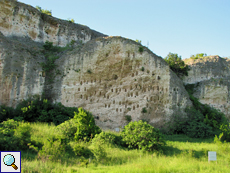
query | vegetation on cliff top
[176, 64]
[48, 12]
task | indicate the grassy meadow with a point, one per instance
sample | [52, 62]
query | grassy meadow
[181, 154]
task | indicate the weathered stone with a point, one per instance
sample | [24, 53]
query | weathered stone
[18, 19]
[108, 76]
[211, 78]
[111, 78]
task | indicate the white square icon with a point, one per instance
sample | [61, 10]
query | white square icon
[10, 161]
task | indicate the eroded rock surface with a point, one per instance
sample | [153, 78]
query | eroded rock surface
[18, 19]
[112, 78]
[211, 78]
[20, 70]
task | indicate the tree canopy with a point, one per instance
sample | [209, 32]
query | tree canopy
[176, 64]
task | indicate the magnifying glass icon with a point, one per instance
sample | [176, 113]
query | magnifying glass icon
[9, 160]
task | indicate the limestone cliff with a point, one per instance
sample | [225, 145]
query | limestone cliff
[18, 19]
[211, 78]
[110, 76]
[20, 70]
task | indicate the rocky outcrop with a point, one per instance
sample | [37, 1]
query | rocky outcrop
[18, 19]
[211, 78]
[110, 76]
[20, 70]
[206, 68]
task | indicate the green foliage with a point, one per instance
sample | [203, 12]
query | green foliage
[71, 20]
[42, 111]
[49, 64]
[14, 135]
[6, 113]
[48, 45]
[128, 118]
[202, 121]
[80, 149]
[138, 41]
[211, 116]
[109, 138]
[48, 12]
[86, 127]
[140, 135]
[195, 127]
[141, 49]
[176, 64]
[142, 69]
[68, 128]
[199, 55]
[54, 148]
[98, 150]
[225, 133]
[89, 71]
[144, 110]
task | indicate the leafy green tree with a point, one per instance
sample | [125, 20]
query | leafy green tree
[86, 127]
[176, 64]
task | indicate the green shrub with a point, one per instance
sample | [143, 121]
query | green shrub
[140, 135]
[14, 135]
[43, 111]
[144, 110]
[199, 55]
[54, 148]
[86, 127]
[68, 128]
[205, 117]
[48, 12]
[81, 150]
[128, 118]
[6, 113]
[98, 150]
[142, 69]
[176, 64]
[141, 49]
[109, 138]
[48, 45]
[225, 133]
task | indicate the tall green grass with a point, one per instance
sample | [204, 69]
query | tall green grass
[181, 154]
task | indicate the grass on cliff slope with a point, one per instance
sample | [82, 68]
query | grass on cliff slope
[181, 154]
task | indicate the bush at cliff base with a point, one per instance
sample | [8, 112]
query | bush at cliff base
[86, 127]
[14, 135]
[140, 135]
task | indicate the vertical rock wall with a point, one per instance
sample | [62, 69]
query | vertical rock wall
[210, 76]
[18, 19]
[20, 71]
[111, 78]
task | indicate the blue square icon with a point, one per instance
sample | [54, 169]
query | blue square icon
[10, 161]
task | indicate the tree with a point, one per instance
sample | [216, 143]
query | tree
[176, 64]
[86, 127]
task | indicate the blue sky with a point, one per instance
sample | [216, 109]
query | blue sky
[185, 27]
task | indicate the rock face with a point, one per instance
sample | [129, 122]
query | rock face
[211, 78]
[112, 77]
[20, 70]
[18, 19]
